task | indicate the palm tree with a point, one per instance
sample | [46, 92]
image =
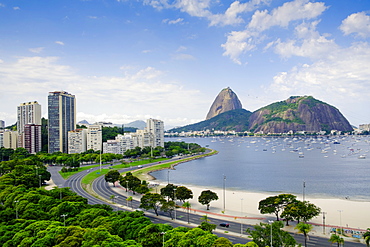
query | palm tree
[334, 238]
[187, 205]
[366, 236]
[305, 229]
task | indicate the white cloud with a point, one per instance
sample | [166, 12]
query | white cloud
[283, 15]
[36, 50]
[142, 92]
[2, 5]
[238, 43]
[171, 22]
[59, 42]
[232, 14]
[309, 44]
[340, 79]
[358, 23]
[16, 8]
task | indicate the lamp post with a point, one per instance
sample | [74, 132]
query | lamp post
[16, 209]
[174, 195]
[64, 216]
[40, 181]
[127, 193]
[241, 213]
[340, 220]
[271, 221]
[116, 197]
[163, 233]
[224, 192]
[168, 177]
[323, 222]
[304, 186]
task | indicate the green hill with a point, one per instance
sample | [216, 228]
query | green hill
[231, 120]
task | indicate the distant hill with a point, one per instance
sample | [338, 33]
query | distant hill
[139, 124]
[298, 113]
[225, 101]
[231, 120]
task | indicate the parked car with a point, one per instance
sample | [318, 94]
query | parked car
[224, 224]
[140, 166]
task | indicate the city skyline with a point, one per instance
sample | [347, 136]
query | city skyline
[134, 60]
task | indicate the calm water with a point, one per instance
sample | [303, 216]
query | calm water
[280, 165]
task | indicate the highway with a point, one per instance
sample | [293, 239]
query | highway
[105, 192]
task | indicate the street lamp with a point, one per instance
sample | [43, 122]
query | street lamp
[224, 191]
[64, 216]
[241, 213]
[323, 222]
[168, 177]
[116, 197]
[127, 192]
[174, 195]
[16, 209]
[304, 186]
[163, 233]
[40, 180]
[340, 220]
[271, 221]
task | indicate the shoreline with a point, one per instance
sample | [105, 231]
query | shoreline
[339, 212]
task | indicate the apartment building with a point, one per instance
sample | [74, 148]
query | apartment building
[94, 137]
[77, 141]
[62, 118]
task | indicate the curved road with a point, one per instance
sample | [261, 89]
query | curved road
[105, 191]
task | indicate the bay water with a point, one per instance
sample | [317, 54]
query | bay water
[324, 167]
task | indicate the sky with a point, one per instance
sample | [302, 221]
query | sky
[128, 60]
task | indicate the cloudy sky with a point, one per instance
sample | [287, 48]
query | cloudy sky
[126, 60]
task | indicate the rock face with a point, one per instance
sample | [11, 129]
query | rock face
[298, 114]
[225, 101]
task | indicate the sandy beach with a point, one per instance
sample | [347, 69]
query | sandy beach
[339, 212]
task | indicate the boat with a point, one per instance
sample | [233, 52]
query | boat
[362, 156]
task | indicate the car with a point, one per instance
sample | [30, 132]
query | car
[140, 166]
[224, 224]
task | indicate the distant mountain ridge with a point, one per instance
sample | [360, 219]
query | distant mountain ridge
[297, 113]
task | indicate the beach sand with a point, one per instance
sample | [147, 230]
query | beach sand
[338, 212]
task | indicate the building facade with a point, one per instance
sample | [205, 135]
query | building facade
[156, 129]
[10, 139]
[94, 137]
[62, 118]
[2, 124]
[77, 141]
[32, 138]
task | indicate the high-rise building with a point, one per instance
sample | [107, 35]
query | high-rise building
[32, 138]
[2, 124]
[29, 113]
[156, 129]
[62, 118]
[94, 137]
[10, 139]
[77, 141]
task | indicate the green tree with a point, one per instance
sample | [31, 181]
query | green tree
[222, 242]
[366, 236]
[206, 226]
[130, 182]
[187, 205]
[334, 238]
[274, 204]
[152, 201]
[112, 176]
[206, 197]
[168, 207]
[261, 235]
[305, 229]
[183, 193]
[298, 210]
[169, 191]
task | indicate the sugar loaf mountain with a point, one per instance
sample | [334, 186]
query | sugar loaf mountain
[297, 113]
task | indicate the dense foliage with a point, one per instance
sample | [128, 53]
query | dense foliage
[33, 216]
[231, 120]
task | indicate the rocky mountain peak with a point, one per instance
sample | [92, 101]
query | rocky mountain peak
[225, 101]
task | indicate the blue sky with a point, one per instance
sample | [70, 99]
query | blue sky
[131, 60]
